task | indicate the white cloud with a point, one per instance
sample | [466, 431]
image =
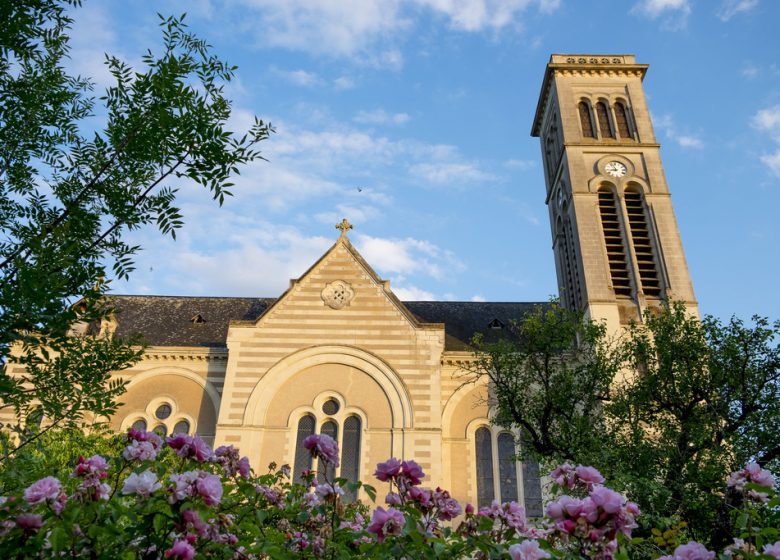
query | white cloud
[521, 164]
[667, 124]
[343, 83]
[477, 297]
[445, 173]
[768, 120]
[674, 13]
[749, 70]
[402, 257]
[380, 116]
[730, 8]
[299, 77]
[477, 15]
[412, 293]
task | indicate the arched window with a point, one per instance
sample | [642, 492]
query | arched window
[532, 488]
[643, 247]
[603, 117]
[621, 120]
[329, 428]
[507, 467]
[140, 425]
[350, 453]
[181, 427]
[484, 446]
[302, 455]
[586, 121]
[613, 238]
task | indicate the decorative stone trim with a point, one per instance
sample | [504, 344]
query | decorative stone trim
[337, 294]
[182, 356]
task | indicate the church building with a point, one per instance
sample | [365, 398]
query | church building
[338, 353]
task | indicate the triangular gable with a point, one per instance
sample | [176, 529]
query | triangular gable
[342, 242]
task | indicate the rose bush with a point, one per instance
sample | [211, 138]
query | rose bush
[178, 499]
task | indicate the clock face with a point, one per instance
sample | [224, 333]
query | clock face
[615, 168]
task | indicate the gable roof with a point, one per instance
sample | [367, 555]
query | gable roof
[168, 320]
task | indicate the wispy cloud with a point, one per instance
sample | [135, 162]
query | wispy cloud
[301, 78]
[380, 117]
[400, 258]
[670, 129]
[768, 121]
[673, 14]
[730, 8]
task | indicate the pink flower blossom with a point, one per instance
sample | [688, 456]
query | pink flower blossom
[387, 470]
[383, 523]
[140, 451]
[48, 488]
[232, 464]
[95, 465]
[422, 497]
[393, 499]
[588, 476]
[563, 476]
[412, 472]
[772, 550]
[469, 509]
[690, 551]
[182, 550]
[324, 447]
[143, 484]
[243, 467]
[187, 446]
[608, 500]
[209, 487]
[192, 519]
[29, 521]
[327, 489]
[527, 550]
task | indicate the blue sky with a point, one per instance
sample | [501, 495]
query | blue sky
[412, 119]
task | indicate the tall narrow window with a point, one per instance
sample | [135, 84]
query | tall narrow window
[329, 428]
[484, 446]
[507, 467]
[621, 120]
[613, 238]
[350, 453]
[585, 120]
[532, 488]
[603, 117]
[302, 455]
[643, 247]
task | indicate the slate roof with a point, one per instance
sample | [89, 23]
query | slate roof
[172, 320]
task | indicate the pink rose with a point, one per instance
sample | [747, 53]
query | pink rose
[95, 465]
[209, 487]
[387, 470]
[588, 476]
[690, 551]
[469, 509]
[182, 550]
[143, 484]
[190, 446]
[324, 447]
[608, 500]
[29, 521]
[412, 472]
[563, 476]
[393, 499]
[48, 488]
[384, 523]
[527, 550]
[140, 451]
[772, 550]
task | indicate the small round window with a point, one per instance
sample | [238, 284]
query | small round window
[181, 427]
[140, 425]
[163, 411]
[161, 430]
[330, 407]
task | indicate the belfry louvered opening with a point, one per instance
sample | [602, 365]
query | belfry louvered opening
[643, 246]
[613, 238]
[586, 120]
[621, 119]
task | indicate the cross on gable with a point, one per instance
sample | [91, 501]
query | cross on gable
[344, 226]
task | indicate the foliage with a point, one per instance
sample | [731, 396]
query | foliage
[70, 190]
[550, 376]
[147, 499]
[666, 412]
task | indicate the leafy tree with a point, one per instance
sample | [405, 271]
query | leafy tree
[69, 193]
[667, 411]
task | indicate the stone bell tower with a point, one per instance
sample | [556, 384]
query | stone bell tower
[616, 243]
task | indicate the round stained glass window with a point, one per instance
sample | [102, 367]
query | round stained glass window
[163, 411]
[161, 430]
[140, 425]
[330, 407]
[181, 427]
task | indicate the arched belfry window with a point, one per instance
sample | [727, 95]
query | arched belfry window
[613, 239]
[641, 238]
[586, 121]
[602, 114]
[302, 455]
[621, 120]
[350, 453]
